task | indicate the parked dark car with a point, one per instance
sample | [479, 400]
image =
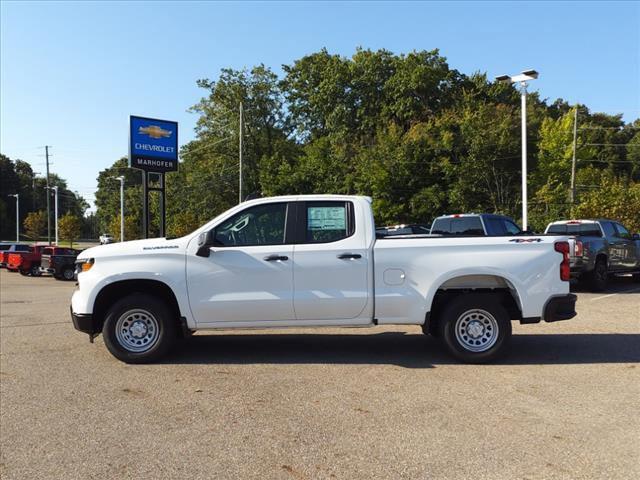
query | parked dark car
[475, 224]
[409, 229]
[59, 262]
[598, 249]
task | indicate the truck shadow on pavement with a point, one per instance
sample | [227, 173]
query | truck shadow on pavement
[398, 348]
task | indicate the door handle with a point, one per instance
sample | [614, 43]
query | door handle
[275, 258]
[349, 256]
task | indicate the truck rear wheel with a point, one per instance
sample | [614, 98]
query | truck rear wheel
[597, 279]
[475, 328]
[139, 329]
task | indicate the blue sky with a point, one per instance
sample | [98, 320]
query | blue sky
[71, 73]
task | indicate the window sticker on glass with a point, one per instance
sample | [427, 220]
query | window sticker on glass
[326, 218]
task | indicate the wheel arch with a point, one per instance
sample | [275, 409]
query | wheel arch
[489, 284]
[113, 291]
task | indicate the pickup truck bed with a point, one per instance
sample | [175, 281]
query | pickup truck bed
[315, 261]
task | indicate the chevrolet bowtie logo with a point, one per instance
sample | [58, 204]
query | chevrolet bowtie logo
[155, 131]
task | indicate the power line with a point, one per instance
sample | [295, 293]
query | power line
[624, 127]
[612, 144]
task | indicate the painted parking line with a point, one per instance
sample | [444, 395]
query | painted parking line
[612, 294]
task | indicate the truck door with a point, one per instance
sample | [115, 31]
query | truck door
[248, 276]
[616, 246]
[628, 254]
[331, 262]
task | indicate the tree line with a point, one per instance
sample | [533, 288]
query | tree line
[421, 138]
[17, 177]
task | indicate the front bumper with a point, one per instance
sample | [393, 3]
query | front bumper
[47, 270]
[84, 322]
[560, 308]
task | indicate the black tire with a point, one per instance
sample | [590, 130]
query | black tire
[480, 314]
[67, 273]
[24, 272]
[155, 323]
[598, 278]
[35, 271]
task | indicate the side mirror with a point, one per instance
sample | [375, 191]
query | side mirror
[635, 236]
[205, 241]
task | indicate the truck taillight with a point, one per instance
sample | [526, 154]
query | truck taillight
[565, 270]
[578, 249]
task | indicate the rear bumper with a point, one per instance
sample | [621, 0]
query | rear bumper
[560, 308]
[580, 265]
[84, 322]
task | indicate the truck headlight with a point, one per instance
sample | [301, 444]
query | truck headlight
[84, 265]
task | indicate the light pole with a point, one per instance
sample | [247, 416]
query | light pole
[17, 195]
[55, 189]
[121, 178]
[522, 79]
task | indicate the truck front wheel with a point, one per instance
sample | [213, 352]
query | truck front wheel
[139, 329]
[475, 328]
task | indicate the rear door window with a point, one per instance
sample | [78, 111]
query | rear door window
[495, 226]
[609, 229]
[22, 248]
[327, 222]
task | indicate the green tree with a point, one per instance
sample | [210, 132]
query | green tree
[35, 224]
[69, 227]
[616, 198]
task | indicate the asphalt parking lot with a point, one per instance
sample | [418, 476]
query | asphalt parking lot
[318, 403]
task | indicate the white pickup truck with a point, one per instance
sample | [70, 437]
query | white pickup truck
[311, 261]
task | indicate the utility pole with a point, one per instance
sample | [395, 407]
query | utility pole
[573, 159]
[17, 196]
[240, 149]
[121, 178]
[33, 187]
[46, 154]
[55, 189]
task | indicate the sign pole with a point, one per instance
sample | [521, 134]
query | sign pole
[145, 209]
[163, 213]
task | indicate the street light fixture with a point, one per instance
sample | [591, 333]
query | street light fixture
[17, 196]
[121, 179]
[522, 79]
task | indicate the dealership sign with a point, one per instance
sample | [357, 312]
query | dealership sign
[153, 144]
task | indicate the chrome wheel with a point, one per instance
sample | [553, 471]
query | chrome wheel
[476, 330]
[137, 330]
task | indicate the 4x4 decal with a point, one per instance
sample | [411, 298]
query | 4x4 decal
[525, 240]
